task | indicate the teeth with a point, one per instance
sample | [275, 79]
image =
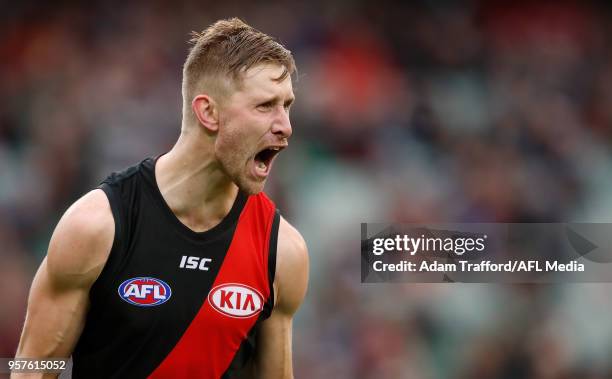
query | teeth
[275, 148]
[261, 165]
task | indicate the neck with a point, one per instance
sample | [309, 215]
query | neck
[193, 184]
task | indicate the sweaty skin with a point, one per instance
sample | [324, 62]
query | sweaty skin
[199, 179]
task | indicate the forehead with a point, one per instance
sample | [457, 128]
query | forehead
[260, 81]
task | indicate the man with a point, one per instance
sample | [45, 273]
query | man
[179, 267]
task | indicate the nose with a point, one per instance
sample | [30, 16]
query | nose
[282, 125]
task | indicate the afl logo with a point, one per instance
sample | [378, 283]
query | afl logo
[145, 292]
[236, 300]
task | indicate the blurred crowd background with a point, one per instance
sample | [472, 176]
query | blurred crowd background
[418, 112]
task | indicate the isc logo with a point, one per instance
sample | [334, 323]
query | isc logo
[145, 292]
[236, 300]
[193, 263]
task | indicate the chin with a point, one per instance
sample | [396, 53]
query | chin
[246, 184]
[250, 187]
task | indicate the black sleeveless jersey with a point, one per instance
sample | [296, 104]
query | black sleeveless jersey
[171, 302]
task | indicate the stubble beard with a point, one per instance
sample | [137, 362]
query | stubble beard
[244, 183]
[237, 170]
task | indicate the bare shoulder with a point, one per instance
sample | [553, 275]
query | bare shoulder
[291, 268]
[81, 241]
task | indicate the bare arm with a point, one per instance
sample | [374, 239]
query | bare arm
[274, 357]
[59, 294]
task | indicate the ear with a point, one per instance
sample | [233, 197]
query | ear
[206, 110]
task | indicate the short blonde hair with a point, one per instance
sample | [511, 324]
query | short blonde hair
[225, 50]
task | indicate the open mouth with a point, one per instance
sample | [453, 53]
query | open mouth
[263, 159]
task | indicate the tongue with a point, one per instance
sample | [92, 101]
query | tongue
[260, 167]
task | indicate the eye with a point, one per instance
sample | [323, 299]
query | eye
[265, 106]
